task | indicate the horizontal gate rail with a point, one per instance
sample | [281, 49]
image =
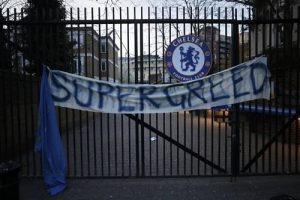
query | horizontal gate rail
[149, 21]
[272, 140]
[172, 141]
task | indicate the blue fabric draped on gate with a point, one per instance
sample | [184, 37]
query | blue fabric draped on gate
[48, 142]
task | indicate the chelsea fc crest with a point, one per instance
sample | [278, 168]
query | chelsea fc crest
[188, 58]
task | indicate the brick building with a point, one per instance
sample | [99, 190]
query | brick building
[95, 56]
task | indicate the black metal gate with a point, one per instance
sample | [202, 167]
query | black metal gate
[127, 46]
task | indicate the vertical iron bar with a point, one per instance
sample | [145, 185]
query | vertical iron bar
[25, 89]
[226, 65]
[80, 112]
[283, 94]
[277, 92]
[206, 111]
[121, 77]
[142, 82]
[15, 76]
[107, 79]
[164, 115]
[290, 86]
[242, 60]
[4, 151]
[128, 70]
[184, 115]
[87, 74]
[55, 47]
[149, 82]
[219, 69]
[5, 116]
[114, 77]
[100, 78]
[156, 115]
[198, 111]
[93, 75]
[11, 106]
[249, 58]
[137, 155]
[263, 101]
[235, 145]
[33, 89]
[149, 58]
[170, 115]
[212, 113]
[3, 148]
[17, 79]
[226, 148]
[67, 131]
[31, 106]
[73, 112]
[256, 113]
[297, 93]
[177, 114]
[270, 102]
[191, 112]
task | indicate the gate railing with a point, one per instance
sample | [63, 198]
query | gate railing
[257, 137]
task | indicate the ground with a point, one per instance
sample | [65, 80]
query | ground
[258, 188]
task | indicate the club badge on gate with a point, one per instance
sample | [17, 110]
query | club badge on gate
[188, 58]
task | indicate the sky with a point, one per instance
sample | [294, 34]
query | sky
[128, 3]
[88, 4]
[97, 3]
[148, 31]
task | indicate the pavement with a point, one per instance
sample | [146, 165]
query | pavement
[250, 187]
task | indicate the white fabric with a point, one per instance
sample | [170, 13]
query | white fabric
[244, 82]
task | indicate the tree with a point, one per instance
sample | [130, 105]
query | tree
[46, 43]
[281, 10]
[273, 5]
[5, 52]
[5, 45]
[192, 9]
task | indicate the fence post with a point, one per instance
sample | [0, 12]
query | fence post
[142, 82]
[235, 144]
[136, 74]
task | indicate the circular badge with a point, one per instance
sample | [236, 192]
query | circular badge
[188, 58]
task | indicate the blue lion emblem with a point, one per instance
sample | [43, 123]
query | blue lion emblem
[190, 57]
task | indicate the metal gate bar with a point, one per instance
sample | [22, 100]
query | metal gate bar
[272, 140]
[172, 141]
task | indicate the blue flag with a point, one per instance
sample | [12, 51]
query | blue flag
[48, 142]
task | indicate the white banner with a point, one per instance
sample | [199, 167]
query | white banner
[244, 82]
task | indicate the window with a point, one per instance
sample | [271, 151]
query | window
[103, 65]
[103, 48]
[73, 36]
[80, 68]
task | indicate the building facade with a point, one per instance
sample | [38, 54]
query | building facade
[95, 56]
[150, 66]
[220, 46]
